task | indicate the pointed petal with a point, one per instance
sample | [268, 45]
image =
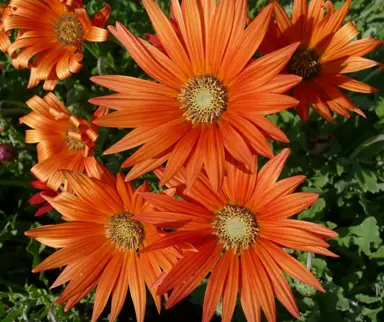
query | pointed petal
[120, 290]
[106, 284]
[215, 286]
[287, 206]
[231, 289]
[136, 286]
[290, 265]
[279, 283]
[214, 157]
[235, 144]
[188, 265]
[183, 289]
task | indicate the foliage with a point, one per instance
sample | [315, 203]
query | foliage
[343, 162]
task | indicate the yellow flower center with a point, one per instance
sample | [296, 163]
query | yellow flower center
[126, 233]
[204, 99]
[69, 30]
[73, 139]
[236, 227]
[304, 63]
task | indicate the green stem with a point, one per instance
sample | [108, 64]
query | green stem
[16, 103]
[13, 111]
[94, 54]
[15, 183]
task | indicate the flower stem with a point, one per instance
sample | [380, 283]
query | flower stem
[15, 183]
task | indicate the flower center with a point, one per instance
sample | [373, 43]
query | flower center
[73, 139]
[126, 233]
[304, 63]
[69, 30]
[236, 227]
[204, 99]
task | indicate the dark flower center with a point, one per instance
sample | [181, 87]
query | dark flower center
[304, 63]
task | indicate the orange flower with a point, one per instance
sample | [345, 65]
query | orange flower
[210, 97]
[101, 245]
[4, 37]
[326, 53]
[239, 233]
[64, 141]
[51, 34]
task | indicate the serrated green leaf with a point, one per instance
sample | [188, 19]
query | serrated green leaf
[366, 235]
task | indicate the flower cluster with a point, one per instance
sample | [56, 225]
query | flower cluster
[200, 124]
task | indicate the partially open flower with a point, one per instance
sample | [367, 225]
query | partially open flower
[50, 38]
[4, 37]
[64, 141]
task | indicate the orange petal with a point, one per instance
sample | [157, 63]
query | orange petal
[230, 289]
[310, 227]
[215, 286]
[290, 265]
[351, 84]
[106, 284]
[263, 290]
[183, 289]
[120, 291]
[214, 157]
[255, 138]
[235, 144]
[159, 145]
[136, 286]
[280, 188]
[71, 253]
[348, 65]
[248, 43]
[131, 85]
[179, 155]
[188, 265]
[168, 37]
[248, 297]
[269, 174]
[287, 206]
[90, 270]
[177, 238]
[279, 283]
[167, 203]
[218, 35]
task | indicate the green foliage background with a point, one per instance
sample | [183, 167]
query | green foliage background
[343, 162]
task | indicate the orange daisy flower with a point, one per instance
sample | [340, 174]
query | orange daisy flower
[326, 53]
[101, 244]
[210, 97]
[239, 233]
[4, 37]
[64, 141]
[51, 34]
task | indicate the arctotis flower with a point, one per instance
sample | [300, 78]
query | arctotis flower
[239, 233]
[210, 97]
[64, 141]
[100, 245]
[4, 37]
[50, 37]
[327, 51]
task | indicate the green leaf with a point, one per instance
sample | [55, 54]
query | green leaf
[366, 298]
[12, 315]
[315, 212]
[366, 234]
[366, 178]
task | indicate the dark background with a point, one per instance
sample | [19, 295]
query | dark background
[343, 162]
